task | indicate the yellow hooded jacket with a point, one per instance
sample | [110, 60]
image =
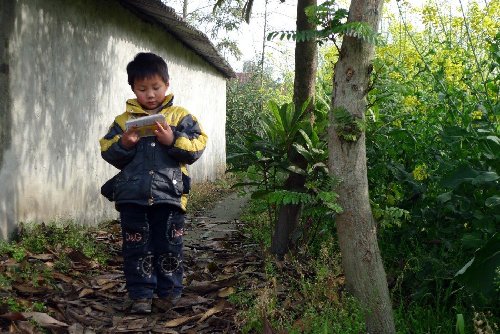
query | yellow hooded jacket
[152, 173]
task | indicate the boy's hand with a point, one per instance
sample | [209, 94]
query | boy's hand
[164, 134]
[130, 138]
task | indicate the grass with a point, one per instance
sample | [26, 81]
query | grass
[37, 251]
[203, 196]
[312, 277]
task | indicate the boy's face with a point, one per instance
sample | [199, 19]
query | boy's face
[150, 92]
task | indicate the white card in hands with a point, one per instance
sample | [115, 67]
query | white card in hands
[146, 125]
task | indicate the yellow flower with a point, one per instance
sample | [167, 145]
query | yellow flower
[420, 172]
[430, 15]
[395, 76]
[397, 123]
[410, 101]
[452, 71]
[476, 114]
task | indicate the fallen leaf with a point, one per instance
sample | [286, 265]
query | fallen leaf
[188, 329]
[223, 277]
[181, 320]
[24, 327]
[162, 330]
[105, 278]
[109, 286]
[29, 289]
[62, 277]
[101, 307]
[78, 256]
[76, 329]
[44, 320]
[217, 245]
[218, 308]
[85, 292]
[43, 257]
[13, 316]
[229, 270]
[94, 264]
[10, 263]
[203, 287]
[190, 300]
[224, 292]
[137, 324]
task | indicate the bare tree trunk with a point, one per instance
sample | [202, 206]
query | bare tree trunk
[362, 263]
[306, 63]
[185, 9]
[264, 40]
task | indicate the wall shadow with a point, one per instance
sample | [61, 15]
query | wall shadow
[6, 25]
[67, 83]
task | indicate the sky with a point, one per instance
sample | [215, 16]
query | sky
[281, 16]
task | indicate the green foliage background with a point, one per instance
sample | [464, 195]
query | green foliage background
[433, 149]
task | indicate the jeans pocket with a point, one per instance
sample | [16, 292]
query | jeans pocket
[135, 237]
[175, 228]
[135, 230]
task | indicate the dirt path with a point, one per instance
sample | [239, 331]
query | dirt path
[218, 261]
[219, 222]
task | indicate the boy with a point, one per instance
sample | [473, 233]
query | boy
[151, 188]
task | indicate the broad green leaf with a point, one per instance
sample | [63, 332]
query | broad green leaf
[455, 131]
[302, 151]
[306, 138]
[317, 151]
[478, 274]
[460, 324]
[472, 240]
[494, 139]
[485, 177]
[462, 174]
[320, 165]
[260, 194]
[296, 170]
[445, 197]
[492, 201]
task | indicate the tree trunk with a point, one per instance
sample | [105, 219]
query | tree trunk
[362, 263]
[306, 63]
[185, 9]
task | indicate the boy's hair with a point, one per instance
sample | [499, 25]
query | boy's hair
[145, 65]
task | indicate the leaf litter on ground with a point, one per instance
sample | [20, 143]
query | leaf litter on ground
[90, 297]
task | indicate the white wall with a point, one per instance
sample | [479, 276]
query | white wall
[67, 81]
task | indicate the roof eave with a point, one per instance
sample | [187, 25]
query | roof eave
[155, 11]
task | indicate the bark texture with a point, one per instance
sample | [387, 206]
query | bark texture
[362, 263]
[306, 63]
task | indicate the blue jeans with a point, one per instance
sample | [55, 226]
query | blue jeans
[152, 250]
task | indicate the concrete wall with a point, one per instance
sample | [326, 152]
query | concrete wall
[62, 82]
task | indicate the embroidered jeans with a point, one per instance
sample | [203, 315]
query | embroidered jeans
[152, 249]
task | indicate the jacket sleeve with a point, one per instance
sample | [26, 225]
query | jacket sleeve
[112, 150]
[190, 140]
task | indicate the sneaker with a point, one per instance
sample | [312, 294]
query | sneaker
[141, 306]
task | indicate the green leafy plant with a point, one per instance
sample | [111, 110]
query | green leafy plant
[433, 158]
[348, 127]
[332, 26]
[283, 130]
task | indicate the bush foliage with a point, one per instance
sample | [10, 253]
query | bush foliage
[433, 149]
